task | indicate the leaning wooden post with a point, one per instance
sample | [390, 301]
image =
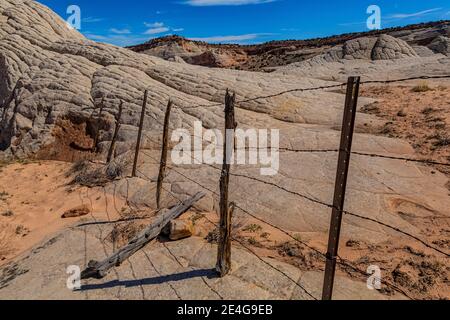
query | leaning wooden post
[163, 162]
[112, 147]
[97, 131]
[223, 266]
[348, 126]
[139, 138]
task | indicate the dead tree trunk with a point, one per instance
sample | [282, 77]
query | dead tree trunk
[223, 266]
[99, 270]
[138, 143]
[112, 147]
[163, 163]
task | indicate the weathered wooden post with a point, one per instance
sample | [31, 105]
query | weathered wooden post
[163, 162]
[348, 126]
[112, 147]
[139, 138]
[223, 266]
[97, 129]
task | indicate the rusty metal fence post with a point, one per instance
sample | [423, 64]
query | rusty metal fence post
[345, 150]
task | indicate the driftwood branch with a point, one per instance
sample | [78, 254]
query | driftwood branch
[100, 269]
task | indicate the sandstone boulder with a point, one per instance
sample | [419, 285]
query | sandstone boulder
[180, 229]
[441, 45]
[360, 48]
[389, 48]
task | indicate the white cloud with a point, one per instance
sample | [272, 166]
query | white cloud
[207, 3]
[414, 14]
[120, 31]
[154, 24]
[159, 27]
[157, 30]
[231, 38]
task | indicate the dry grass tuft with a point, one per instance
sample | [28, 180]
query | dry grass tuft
[94, 175]
[422, 87]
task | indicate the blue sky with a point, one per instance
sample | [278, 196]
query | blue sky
[239, 21]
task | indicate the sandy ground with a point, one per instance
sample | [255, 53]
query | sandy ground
[33, 197]
[418, 113]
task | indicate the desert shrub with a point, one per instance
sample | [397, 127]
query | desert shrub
[3, 195]
[253, 228]
[428, 110]
[7, 213]
[124, 232]
[441, 140]
[94, 175]
[422, 87]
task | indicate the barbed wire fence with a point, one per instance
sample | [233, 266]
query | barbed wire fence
[342, 263]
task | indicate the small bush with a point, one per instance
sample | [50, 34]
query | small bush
[3, 195]
[442, 140]
[253, 228]
[422, 87]
[8, 213]
[428, 110]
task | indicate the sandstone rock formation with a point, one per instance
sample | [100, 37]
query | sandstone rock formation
[264, 57]
[441, 45]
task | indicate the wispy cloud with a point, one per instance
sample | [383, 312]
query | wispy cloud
[159, 27]
[396, 17]
[120, 31]
[92, 20]
[117, 39]
[231, 38]
[157, 30]
[413, 15]
[154, 24]
[209, 3]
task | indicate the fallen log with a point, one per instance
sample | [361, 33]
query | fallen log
[100, 269]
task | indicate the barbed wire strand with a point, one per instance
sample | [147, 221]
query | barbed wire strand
[241, 243]
[340, 85]
[341, 261]
[317, 201]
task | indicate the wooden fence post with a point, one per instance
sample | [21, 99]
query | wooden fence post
[163, 162]
[345, 150]
[139, 138]
[112, 147]
[97, 132]
[223, 266]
